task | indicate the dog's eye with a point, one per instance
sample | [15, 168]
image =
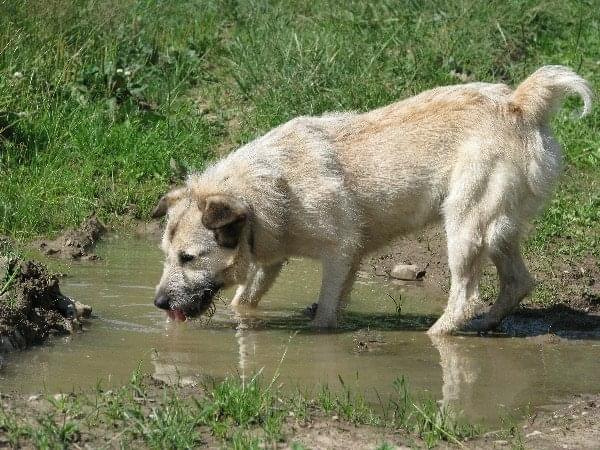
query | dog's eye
[185, 257]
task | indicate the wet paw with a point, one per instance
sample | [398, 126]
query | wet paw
[441, 330]
[443, 326]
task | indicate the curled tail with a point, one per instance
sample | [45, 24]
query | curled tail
[544, 91]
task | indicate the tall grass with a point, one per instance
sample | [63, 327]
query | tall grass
[97, 97]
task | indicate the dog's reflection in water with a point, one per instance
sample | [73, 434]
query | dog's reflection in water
[460, 370]
[482, 376]
[477, 374]
[246, 342]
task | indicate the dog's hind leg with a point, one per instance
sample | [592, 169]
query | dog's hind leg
[260, 280]
[515, 283]
[338, 276]
[465, 255]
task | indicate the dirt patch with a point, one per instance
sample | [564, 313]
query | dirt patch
[75, 244]
[575, 282]
[566, 302]
[426, 250]
[333, 433]
[577, 425]
[32, 306]
[574, 426]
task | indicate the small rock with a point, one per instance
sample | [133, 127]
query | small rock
[82, 310]
[34, 398]
[500, 442]
[407, 272]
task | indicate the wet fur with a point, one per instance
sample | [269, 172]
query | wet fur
[479, 157]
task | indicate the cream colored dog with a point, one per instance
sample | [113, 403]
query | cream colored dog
[479, 157]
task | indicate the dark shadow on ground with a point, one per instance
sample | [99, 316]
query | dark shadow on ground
[559, 320]
[350, 321]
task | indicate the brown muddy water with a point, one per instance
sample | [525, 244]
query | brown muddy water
[483, 377]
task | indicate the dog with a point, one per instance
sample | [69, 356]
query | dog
[478, 157]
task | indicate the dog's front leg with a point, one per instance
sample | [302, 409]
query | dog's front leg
[258, 282]
[243, 290]
[338, 276]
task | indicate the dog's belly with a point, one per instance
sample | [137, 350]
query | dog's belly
[395, 198]
[395, 215]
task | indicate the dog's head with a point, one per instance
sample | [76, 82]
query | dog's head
[206, 246]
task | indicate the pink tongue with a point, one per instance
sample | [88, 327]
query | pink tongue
[176, 315]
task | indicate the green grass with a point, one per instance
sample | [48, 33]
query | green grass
[97, 97]
[230, 413]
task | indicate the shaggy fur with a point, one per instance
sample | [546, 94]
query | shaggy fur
[479, 157]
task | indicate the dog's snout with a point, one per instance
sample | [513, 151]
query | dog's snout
[162, 301]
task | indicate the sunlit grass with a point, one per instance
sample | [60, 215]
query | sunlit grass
[233, 413]
[96, 98]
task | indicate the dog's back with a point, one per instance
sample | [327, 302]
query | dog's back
[473, 141]
[394, 169]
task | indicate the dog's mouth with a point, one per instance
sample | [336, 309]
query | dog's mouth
[198, 305]
[177, 315]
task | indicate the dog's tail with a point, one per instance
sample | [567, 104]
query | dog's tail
[540, 95]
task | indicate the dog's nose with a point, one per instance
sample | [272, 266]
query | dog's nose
[162, 301]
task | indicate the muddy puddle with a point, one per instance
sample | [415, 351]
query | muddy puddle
[484, 377]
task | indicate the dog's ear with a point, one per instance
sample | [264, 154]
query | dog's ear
[166, 201]
[227, 217]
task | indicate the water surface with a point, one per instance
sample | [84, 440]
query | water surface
[480, 376]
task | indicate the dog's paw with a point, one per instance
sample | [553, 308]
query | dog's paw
[441, 330]
[442, 327]
[310, 311]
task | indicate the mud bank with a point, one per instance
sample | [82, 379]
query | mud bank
[75, 244]
[573, 426]
[32, 307]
